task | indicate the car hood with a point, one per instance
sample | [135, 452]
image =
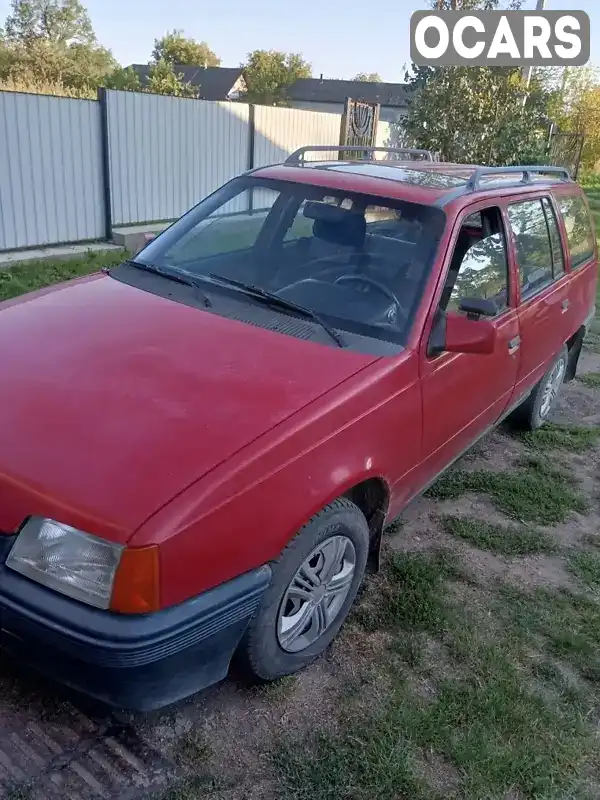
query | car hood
[113, 399]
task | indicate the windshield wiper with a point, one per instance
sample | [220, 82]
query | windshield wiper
[275, 300]
[174, 275]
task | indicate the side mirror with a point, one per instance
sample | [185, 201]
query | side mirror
[475, 307]
[455, 333]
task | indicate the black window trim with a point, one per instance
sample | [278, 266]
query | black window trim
[563, 266]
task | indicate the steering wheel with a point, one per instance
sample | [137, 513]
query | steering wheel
[375, 284]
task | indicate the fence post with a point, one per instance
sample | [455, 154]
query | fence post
[104, 143]
[251, 138]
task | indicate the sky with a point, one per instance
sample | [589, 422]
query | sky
[338, 37]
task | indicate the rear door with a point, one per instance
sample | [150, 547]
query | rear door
[543, 287]
[580, 245]
[465, 394]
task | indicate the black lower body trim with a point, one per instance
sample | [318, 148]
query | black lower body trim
[134, 663]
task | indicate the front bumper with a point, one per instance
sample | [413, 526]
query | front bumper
[138, 663]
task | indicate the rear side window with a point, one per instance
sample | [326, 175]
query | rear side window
[579, 228]
[533, 246]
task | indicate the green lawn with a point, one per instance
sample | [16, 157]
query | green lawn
[474, 655]
[33, 275]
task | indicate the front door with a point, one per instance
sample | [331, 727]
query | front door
[465, 394]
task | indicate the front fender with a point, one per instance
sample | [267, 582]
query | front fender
[245, 511]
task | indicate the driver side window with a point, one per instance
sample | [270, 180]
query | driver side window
[479, 266]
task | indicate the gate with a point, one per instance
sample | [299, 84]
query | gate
[564, 150]
[359, 125]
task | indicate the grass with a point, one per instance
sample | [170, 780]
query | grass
[586, 567]
[574, 438]
[533, 491]
[407, 593]
[34, 275]
[567, 625]
[491, 732]
[591, 379]
[502, 539]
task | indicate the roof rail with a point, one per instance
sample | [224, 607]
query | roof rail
[297, 157]
[526, 171]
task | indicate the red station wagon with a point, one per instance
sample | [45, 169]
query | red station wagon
[200, 448]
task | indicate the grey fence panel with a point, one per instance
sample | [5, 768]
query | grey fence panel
[167, 153]
[50, 171]
[280, 131]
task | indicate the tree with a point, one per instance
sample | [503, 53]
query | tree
[63, 22]
[175, 48]
[269, 74]
[476, 115]
[163, 80]
[52, 43]
[124, 79]
[368, 77]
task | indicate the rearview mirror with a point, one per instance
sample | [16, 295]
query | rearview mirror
[455, 333]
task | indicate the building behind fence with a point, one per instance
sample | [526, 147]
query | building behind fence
[71, 170]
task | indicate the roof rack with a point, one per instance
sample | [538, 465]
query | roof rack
[527, 172]
[297, 157]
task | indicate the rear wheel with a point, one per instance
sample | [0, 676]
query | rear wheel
[534, 412]
[315, 581]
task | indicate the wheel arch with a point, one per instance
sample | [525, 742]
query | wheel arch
[372, 496]
[574, 345]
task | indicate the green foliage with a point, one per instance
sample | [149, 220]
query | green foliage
[409, 593]
[175, 48]
[52, 43]
[591, 379]
[578, 107]
[368, 77]
[586, 567]
[124, 79]
[32, 275]
[533, 492]
[574, 438]
[506, 540]
[63, 22]
[269, 73]
[476, 115]
[164, 80]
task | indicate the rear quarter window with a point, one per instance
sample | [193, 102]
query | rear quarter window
[579, 227]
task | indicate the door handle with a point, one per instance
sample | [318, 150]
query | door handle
[514, 345]
[564, 305]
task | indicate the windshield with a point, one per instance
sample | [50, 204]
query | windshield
[358, 261]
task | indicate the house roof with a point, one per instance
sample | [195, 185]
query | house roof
[322, 90]
[215, 82]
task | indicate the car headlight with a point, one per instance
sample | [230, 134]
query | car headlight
[67, 560]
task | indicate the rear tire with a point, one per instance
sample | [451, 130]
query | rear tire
[536, 409]
[314, 583]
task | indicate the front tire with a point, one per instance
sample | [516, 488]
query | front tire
[534, 412]
[315, 581]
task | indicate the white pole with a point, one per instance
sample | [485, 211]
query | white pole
[528, 71]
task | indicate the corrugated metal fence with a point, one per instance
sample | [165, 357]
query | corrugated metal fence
[50, 170]
[70, 169]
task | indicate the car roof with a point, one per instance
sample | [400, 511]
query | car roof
[428, 182]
